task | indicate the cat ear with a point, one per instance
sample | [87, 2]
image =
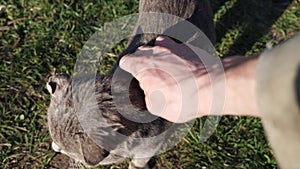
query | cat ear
[57, 81]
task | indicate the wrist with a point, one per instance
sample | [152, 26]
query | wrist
[240, 74]
[236, 96]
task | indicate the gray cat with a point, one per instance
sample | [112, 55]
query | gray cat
[83, 119]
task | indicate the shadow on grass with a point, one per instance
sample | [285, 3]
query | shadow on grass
[251, 19]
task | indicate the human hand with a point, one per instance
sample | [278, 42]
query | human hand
[171, 75]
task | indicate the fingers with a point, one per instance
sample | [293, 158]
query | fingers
[135, 65]
[126, 63]
[143, 55]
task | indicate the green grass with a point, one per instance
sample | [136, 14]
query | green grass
[41, 37]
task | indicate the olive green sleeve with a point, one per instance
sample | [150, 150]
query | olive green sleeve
[278, 78]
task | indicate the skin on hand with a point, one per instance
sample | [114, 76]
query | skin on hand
[169, 80]
[179, 88]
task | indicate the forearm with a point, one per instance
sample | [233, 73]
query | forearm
[240, 88]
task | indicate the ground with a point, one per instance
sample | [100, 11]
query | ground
[41, 37]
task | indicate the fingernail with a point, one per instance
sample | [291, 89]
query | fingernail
[140, 48]
[142, 87]
[160, 38]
